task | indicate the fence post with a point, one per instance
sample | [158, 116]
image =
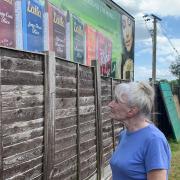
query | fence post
[50, 90]
[1, 144]
[78, 126]
[97, 77]
[112, 121]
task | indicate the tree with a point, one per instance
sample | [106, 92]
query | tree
[175, 68]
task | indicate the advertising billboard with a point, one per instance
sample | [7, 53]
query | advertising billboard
[79, 31]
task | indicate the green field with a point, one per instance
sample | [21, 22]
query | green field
[175, 163]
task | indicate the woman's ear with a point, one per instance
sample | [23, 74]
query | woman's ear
[132, 112]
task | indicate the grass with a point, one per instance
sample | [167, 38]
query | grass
[175, 163]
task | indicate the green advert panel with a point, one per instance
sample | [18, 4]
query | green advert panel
[108, 22]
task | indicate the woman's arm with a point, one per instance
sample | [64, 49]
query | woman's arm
[158, 174]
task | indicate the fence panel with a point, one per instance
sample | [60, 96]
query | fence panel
[22, 114]
[54, 121]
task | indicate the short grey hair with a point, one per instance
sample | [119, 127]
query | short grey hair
[138, 94]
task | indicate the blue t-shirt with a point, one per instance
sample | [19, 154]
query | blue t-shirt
[140, 152]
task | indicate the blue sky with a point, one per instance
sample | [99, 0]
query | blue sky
[169, 12]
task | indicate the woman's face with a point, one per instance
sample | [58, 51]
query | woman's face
[119, 110]
[127, 32]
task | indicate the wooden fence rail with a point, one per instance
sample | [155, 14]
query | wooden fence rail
[54, 121]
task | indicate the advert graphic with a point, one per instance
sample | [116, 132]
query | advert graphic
[90, 45]
[7, 23]
[78, 41]
[104, 53]
[127, 63]
[32, 25]
[57, 24]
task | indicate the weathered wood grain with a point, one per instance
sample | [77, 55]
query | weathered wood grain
[20, 137]
[89, 170]
[86, 163]
[88, 153]
[21, 64]
[21, 54]
[87, 126]
[20, 158]
[86, 135]
[86, 109]
[86, 145]
[62, 155]
[65, 92]
[108, 149]
[65, 103]
[86, 92]
[22, 114]
[107, 157]
[66, 112]
[21, 78]
[22, 168]
[16, 102]
[107, 134]
[20, 127]
[66, 82]
[68, 64]
[65, 71]
[65, 122]
[66, 173]
[65, 142]
[86, 83]
[61, 166]
[87, 117]
[22, 147]
[21, 91]
[107, 142]
[1, 147]
[60, 133]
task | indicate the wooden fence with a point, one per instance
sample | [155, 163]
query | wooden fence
[54, 121]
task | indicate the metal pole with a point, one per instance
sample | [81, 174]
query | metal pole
[154, 39]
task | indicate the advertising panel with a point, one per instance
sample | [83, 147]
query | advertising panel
[78, 40]
[90, 45]
[104, 48]
[127, 64]
[101, 18]
[32, 20]
[57, 35]
[7, 23]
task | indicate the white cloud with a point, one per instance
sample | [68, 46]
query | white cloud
[144, 73]
[159, 7]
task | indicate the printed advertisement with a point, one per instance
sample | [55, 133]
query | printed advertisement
[90, 45]
[32, 25]
[127, 64]
[104, 52]
[7, 23]
[57, 22]
[78, 40]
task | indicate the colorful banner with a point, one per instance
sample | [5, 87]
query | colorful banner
[32, 25]
[104, 53]
[7, 23]
[78, 40]
[100, 17]
[57, 22]
[90, 45]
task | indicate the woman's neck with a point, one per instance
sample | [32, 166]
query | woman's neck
[136, 123]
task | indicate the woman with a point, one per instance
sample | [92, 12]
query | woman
[143, 152]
